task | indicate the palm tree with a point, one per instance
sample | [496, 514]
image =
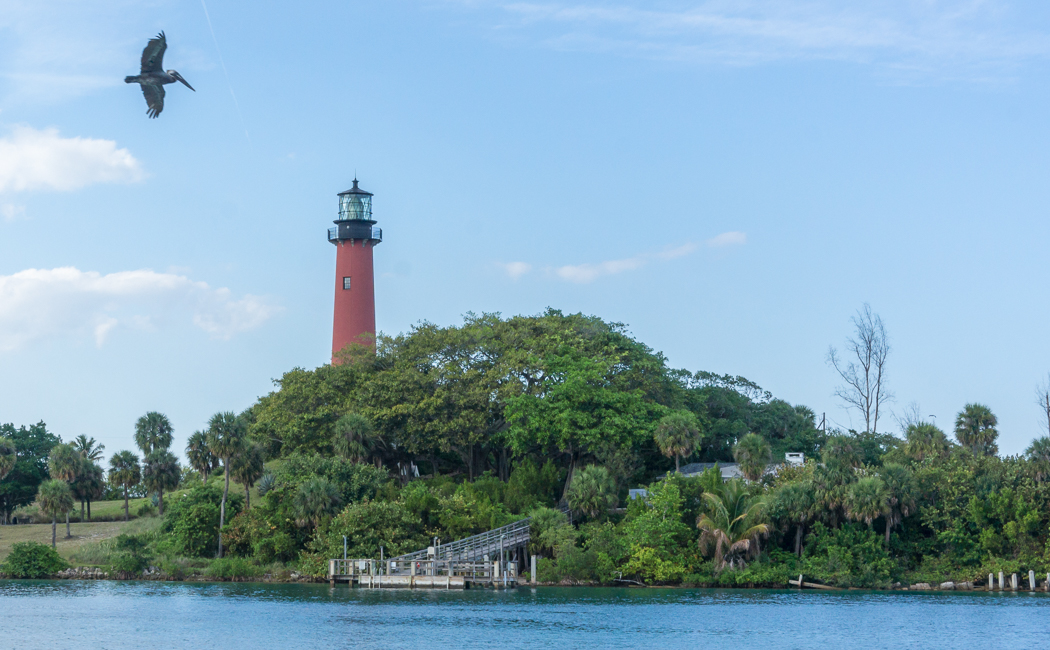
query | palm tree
[201, 458]
[1038, 452]
[794, 502]
[64, 463]
[925, 440]
[124, 471]
[842, 449]
[592, 491]
[975, 428]
[752, 453]
[868, 498]
[8, 456]
[732, 524]
[88, 448]
[315, 500]
[153, 432]
[160, 472]
[248, 468]
[226, 434]
[54, 497]
[89, 485]
[900, 493]
[831, 487]
[678, 435]
[352, 438]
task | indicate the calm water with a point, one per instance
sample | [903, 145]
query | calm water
[64, 614]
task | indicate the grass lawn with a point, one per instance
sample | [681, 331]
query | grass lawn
[94, 531]
[86, 533]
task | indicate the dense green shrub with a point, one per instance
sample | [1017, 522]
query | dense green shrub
[191, 522]
[32, 560]
[131, 555]
[354, 481]
[232, 568]
[257, 533]
[367, 526]
[532, 484]
[850, 556]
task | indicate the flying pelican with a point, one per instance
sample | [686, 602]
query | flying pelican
[153, 77]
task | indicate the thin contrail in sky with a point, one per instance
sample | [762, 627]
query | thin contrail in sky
[225, 72]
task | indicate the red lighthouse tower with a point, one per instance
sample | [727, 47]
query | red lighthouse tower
[354, 236]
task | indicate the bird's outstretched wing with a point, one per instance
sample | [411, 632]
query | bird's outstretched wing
[154, 99]
[153, 55]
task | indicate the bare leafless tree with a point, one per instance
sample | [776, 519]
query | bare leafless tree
[864, 373]
[910, 416]
[1042, 398]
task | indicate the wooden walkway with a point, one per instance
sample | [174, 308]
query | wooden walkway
[478, 560]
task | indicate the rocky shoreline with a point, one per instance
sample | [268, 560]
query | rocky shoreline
[154, 574]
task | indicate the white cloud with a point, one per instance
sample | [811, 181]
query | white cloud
[677, 251]
[947, 37]
[589, 272]
[727, 239]
[516, 269]
[11, 212]
[37, 304]
[584, 273]
[32, 159]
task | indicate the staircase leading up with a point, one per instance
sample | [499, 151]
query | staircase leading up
[476, 547]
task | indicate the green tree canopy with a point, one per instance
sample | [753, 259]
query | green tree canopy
[793, 504]
[226, 437]
[161, 473]
[1039, 453]
[89, 448]
[200, 456]
[248, 467]
[732, 525]
[124, 470]
[753, 454]
[592, 491]
[975, 428]
[8, 456]
[678, 435]
[353, 437]
[89, 485]
[867, 500]
[55, 498]
[153, 432]
[315, 500]
[32, 444]
[924, 440]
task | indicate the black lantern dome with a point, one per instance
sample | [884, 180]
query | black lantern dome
[355, 221]
[355, 204]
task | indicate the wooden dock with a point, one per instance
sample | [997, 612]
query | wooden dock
[421, 574]
[489, 559]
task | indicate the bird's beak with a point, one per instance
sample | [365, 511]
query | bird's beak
[184, 82]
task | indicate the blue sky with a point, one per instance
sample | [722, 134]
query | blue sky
[732, 180]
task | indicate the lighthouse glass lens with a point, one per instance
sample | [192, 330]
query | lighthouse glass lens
[355, 206]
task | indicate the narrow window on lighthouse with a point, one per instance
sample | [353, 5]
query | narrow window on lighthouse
[346, 284]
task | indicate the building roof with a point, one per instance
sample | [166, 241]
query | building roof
[728, 470]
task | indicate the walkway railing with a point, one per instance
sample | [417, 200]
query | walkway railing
[475, 547]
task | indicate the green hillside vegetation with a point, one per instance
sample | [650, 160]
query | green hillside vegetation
[508, 418]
